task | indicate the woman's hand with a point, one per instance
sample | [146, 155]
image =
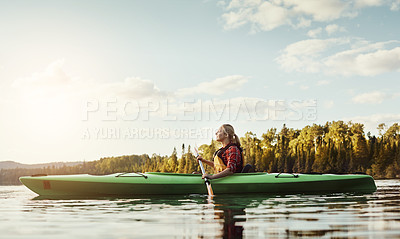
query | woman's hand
[200, 158]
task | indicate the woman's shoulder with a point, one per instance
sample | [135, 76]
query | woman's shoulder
[234, 147]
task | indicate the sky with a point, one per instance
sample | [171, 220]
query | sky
[81, 80]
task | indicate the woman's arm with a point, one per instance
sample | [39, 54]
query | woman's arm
[224, 173]
[206, 161]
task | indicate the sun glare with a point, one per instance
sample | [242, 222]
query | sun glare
[48, 116]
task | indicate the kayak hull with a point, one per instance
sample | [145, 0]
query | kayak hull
[129, 184]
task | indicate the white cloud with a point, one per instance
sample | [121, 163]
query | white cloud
[269, 16]
[240, 3]
[266, 15]
[372, 121]
[323, 82]
[332, 28]
[329, 29]
[365, 63]
[221, 3]
[328, 104]
[314, 32]
[368, 3]
[375, 97]
[319, 10]
[215, 87]
[133, 88]
[304, 87]
[303, 22]
[53, 75]
[53, 82]
[48, 98]
[302, 56]
[262, 15]
[324, 55]
[395, 5]
[236, 19]
[291, 83]
[377, 118]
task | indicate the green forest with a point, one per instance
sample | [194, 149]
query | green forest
[336, 147]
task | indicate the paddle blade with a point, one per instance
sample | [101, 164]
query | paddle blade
[209, 189]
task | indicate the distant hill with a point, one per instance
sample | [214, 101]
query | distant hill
[12, 165]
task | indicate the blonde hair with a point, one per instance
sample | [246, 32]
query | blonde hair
[231, 134]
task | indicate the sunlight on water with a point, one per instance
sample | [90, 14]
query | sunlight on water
[377, 215]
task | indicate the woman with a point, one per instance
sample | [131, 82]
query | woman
[229, 158]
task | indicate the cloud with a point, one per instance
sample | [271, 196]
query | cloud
[329, 29]
[395, 5]
[375, 97]
[263, 16]
[323, 82]
[332, 28]
[54, 81]
[377, 118]
[50, 83]
[291, 83]
[321, 11]
[328, 104]
[314, 32]
[304, 87]
[216, 87]
[221, 3]
[303, 23]
[370, 62]
[303, 56]
[48, 98]
[327, 56]
[267, 15]
[368, 3]
[372, 121]
[132, 88]
[53, 75]
[235, 19]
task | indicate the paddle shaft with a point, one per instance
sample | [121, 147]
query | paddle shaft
[208, 184]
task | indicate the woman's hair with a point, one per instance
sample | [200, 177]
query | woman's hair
[231, 134]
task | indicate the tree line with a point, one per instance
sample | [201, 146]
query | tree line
[336, 147]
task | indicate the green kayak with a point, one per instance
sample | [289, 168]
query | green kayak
[129, 184]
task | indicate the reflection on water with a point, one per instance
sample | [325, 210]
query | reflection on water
[339, 215]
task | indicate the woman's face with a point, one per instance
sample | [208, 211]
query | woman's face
[220, 134]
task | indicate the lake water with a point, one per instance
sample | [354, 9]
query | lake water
[339, 215]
